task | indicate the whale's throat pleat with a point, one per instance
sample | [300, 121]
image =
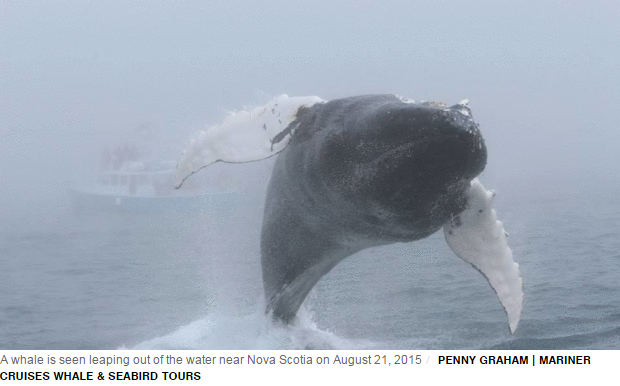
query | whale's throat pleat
[294, 258]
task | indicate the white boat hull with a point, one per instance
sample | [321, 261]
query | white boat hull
[220, 202]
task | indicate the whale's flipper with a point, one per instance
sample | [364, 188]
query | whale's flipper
[477, 237]
[244, 136]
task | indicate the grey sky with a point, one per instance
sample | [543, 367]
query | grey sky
[542, 77]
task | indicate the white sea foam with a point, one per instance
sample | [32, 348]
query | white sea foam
[254, 331]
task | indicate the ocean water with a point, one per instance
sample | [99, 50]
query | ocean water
[193, 281]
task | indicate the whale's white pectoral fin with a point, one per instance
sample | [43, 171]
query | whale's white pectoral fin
[244, 136]
[477, 237]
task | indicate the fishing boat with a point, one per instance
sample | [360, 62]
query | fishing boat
[137, 186]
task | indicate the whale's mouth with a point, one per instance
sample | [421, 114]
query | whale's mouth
[435, 163]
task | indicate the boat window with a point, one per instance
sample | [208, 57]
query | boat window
[114, 179]
[143, 179]
[123, 180]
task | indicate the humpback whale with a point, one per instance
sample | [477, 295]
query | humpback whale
[360, 172]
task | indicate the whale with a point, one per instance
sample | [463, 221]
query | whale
[361, 172]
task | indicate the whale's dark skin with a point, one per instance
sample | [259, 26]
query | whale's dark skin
[361, 172]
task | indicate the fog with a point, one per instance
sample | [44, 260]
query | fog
[543, 82]
[542, 78]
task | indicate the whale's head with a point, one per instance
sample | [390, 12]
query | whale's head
[396, 161]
